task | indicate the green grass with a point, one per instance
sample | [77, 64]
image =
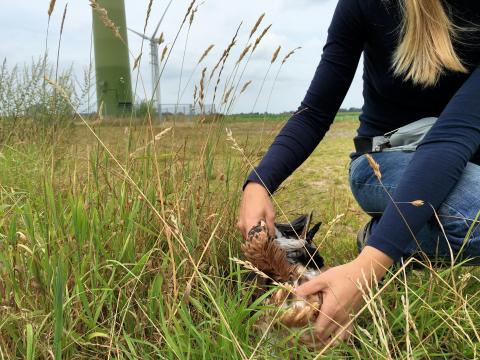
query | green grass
[131, 259]
[115, 246]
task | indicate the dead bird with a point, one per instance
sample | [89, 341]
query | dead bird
[289, 258]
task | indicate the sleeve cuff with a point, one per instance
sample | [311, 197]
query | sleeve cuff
[257, 177]
[386, 247]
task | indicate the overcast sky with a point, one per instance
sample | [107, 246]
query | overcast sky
[302, 23]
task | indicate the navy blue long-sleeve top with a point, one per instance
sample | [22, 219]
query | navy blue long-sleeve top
[372, 27]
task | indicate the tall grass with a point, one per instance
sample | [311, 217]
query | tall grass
[116, 241]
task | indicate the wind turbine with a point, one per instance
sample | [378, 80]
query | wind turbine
[154, 62]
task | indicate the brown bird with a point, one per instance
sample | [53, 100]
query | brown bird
[289, 257]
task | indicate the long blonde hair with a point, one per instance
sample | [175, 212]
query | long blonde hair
[426, 47]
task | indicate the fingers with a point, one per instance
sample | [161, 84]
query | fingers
[255, 206]
[324, 330]
[332, 332]
[313, 286]
[331, 320]
[342, 334]
[270, 220]
[246, 225]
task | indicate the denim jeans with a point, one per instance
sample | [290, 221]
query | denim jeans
[457, 214]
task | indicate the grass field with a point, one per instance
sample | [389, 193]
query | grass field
[121, 248]
[117, 238]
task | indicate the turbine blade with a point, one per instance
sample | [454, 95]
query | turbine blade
[140, 34]
[161, 19]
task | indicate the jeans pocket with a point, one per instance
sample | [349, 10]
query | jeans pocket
[354, 165]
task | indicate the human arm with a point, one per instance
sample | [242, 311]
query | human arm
[436, 167]
[332, 79]
[304, 130]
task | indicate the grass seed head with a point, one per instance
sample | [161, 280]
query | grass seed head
[290, 54]
[205, 53]
[192, 16]
[242, 55]
[418, 203]
[63, 19]
[161, 39]
[195, 93]
[262, 35]
[375, 166]
[275, 55]
[245, 86]
[136, 62]
[51, 7]
[164, 53]
[257, 24]
[147, 16]
[189, 9]
[227, 95]
[107, 22]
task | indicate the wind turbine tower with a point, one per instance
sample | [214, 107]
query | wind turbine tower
[112, 66]
[154, 61]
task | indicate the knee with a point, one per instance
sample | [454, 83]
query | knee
[366, 189]
[461, 227]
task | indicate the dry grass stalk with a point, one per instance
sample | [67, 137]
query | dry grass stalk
[218, 63]
[418, 203]
[245, 86]
[205, 53]
[192, 16]
[100, 111]
[201, 93]
[189, 9]
[257, 24]
[147, 16]
[137, 61]
[58, 53]
[195, 93]
[225, 54]
[290, 54]
[259, 39]
[63, 19]
[235, 145]
[107, 22]
[51, 7]
[161, 39]
[242, 55]
[57, 87]
[375, 166]
[275, 55]
[155, 139]
[249, 266]
[227, 95]
[164, 53]
[225, 57]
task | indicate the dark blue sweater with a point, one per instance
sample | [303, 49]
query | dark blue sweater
[372, 27]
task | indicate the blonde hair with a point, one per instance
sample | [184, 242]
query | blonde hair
[426, 47]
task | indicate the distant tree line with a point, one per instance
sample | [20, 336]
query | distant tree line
[289, 113]
[352, 109]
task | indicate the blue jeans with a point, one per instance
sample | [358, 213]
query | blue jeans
[457, 214]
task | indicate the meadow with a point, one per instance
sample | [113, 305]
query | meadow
[114, 246]
[118, 238]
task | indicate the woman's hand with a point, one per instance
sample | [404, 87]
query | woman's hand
[255, 206]
[341, 293]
